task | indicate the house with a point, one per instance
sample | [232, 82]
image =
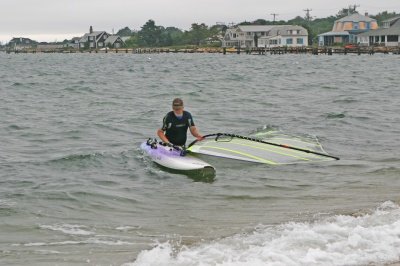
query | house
[73, 43]
[249, 36]
[21, 43]
[346, 30]
[100, 39]
[285, 35]
[214, 40]
[94, 39]
[388, 35]
[114, 41]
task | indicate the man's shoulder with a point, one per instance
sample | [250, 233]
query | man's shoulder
[169, 114]
[188, 114]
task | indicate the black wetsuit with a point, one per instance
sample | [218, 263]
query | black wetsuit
[176, 129]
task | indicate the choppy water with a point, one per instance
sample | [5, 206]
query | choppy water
[76, 190]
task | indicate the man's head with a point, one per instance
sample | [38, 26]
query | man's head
[177, 105]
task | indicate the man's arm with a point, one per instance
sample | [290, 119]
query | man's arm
[161, 135]
[195, 133]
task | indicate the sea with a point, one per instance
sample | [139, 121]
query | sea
[75, 188]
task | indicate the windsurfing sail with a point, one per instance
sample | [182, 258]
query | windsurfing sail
[275, 151]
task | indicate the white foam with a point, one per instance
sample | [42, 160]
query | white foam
[92, 240]
[69, 229]
[7, 204]
[127, 228]
[338, 240]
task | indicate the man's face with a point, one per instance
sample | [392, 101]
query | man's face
[178, 109]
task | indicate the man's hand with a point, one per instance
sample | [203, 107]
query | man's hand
[199, 138]
[177, 147]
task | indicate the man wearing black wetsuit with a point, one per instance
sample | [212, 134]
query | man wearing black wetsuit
[176, 124]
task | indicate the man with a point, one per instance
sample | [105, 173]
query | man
[176, 124]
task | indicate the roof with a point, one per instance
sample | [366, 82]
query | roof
[273, 30]
[393, 30]
[356, 18]
[335, 33]
[21, 39]
[283, 30]
[255, 28]
[95, 33]
[112, 39]
[85, 37]
[391, 20]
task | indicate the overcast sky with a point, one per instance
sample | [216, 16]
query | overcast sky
[50, 20]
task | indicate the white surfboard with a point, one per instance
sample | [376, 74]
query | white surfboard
[171, 158]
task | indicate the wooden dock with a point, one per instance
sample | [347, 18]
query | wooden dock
[119, 50]
[320, 50]
[249, 51]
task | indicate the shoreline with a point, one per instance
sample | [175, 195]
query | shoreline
[220, 50]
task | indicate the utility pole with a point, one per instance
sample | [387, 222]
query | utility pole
[308, 17]
[274, 14]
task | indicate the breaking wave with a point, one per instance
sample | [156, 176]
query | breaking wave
[370, 238]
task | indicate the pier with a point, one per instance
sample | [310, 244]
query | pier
[317, 50]
[249, 51]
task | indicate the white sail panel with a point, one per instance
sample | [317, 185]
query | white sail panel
[247, 149]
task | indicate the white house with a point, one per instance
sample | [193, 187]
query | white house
[265, 36]
[388, 35]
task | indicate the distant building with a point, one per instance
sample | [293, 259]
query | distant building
[100, 39]
[346, 30]
[21, 43]
[114, 41]
[214, 40]
[93, 39]
[73, 43]
[249, 36]
[388, 35]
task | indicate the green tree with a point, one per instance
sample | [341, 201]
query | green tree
[197, 33]
[385, 16]
[176, 35]
[132, 42]
[150, 34]
[124, 32]
[345, 12]
[218, 29]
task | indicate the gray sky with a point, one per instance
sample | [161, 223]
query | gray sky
[50, 20]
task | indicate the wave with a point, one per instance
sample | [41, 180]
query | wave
[386, 171]
[335, 115]
[79, 89]
[78, 158]
[345, 100]
[368, 239]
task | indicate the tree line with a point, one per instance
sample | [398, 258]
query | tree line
[152, 35]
